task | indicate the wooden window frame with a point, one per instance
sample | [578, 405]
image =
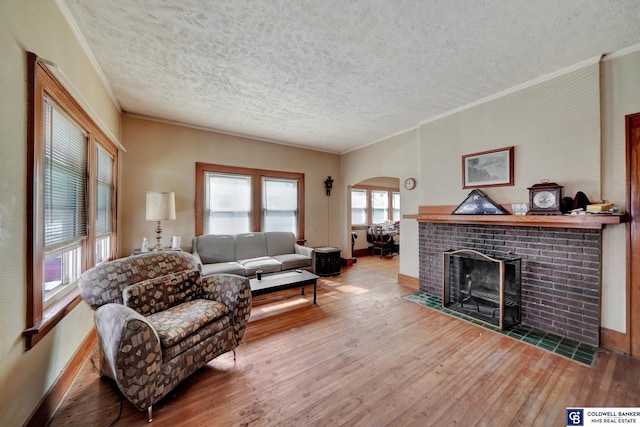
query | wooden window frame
[369, 189]
[256, 193]
[41, 318]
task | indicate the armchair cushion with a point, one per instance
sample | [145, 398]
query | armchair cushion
[160, 293]
[176, 323]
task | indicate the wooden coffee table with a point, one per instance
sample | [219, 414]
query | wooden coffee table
[275, 282]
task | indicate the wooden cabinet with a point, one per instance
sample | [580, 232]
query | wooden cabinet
[327, 261]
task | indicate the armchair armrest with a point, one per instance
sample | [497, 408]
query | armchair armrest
[233, 291]
[130, 352]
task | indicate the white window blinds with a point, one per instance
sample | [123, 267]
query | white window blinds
[280, 204]
[227, 203]
[65, 168]
[104, 194]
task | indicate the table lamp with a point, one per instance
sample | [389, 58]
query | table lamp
[161, 206]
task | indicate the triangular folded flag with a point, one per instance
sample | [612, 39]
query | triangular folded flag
[478, 203]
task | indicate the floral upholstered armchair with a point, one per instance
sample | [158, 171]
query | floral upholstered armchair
[157, 321]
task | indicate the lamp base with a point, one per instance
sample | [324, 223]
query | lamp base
[158, 246]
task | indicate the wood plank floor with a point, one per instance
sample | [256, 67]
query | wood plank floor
[365, 357]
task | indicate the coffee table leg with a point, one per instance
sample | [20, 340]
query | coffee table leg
[301, 290]
[314, 292]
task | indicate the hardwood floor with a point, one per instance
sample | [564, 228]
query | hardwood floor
[365, 357]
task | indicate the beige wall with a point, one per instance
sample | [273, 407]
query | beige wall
[37, 26]
[162, 157]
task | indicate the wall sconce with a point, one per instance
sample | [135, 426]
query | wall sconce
[328, 184]
[160, 207]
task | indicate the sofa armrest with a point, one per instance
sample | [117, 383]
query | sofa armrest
[304, 250]
[307, 251]
[233, 291]
[194, 252]
[130, 352]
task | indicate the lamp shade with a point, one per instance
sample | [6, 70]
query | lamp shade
[160, 206]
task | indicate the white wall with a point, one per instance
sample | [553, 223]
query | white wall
[620, 97]
[39, 27]
[554, 126]
[569, 129]
[397, 157]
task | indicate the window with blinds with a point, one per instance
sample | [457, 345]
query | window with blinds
[379, 206]
[235, 200]
[104, 204]
[374, 205]
[227, 203]
[279, 204]
[71, 224]
[358, 207]
[65, 213]
[395, 203]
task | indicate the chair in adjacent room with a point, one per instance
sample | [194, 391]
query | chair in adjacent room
[381, 241]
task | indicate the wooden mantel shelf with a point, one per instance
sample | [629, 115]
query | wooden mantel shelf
[442, 214]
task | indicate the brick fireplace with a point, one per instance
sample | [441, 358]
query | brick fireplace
[560, 270]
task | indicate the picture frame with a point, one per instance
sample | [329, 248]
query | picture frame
[493, 168]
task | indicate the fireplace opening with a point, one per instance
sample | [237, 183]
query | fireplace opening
[481, 287]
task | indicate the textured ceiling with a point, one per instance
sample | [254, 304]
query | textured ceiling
[335, 75]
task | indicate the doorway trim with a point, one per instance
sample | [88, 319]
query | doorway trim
[632, 122]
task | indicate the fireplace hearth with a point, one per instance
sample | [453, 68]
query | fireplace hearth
[482, 287]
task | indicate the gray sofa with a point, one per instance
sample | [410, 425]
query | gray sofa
[245, 253]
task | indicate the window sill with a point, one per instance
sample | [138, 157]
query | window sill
[51, 316]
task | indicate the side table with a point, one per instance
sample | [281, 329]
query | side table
[327, 261]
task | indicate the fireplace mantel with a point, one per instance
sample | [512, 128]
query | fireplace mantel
[442, 214]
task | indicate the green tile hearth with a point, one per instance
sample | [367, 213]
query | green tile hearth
[572, 349]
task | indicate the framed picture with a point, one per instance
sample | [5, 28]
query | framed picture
[492, 168]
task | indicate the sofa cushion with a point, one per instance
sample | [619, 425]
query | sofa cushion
[223, 267]
[215, 248]
[176, 323]
[280, 242]
[250, 245]
[293, 261]
[266, 264]
[198, 336]
[160, 293]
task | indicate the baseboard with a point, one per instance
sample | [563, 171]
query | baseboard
[410, 281]
[346, 262]
[615, 340]
[49, 403]
[361, 252]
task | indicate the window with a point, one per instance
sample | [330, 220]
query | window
[232, 200]
[227, 203]
[104, 204]
[279, 205]
[374, 205]
[379, 206]
[359, 207]
[71, 209]
[65, 221]
[395, 204]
